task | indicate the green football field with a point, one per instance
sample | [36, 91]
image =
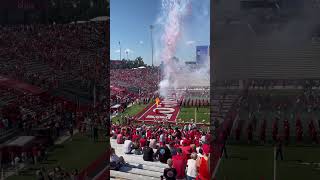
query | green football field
[257, 163]
[75, 154]
[188, 113]
[130, 111]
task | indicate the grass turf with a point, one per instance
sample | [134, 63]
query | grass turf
[188, 113]
[130, 111]
[203, 114]
[75, 154]
[246, 162]
[254, 162]
[300, 163]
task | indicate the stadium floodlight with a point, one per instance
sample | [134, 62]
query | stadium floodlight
[120, 50]
[151, 29]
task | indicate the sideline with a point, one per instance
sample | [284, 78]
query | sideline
[274, 164]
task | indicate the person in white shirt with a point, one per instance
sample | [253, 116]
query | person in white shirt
[128, 146]
[162, 138]
[200, 152]
[153, 143]
[203, 139]
[192, 167]
[115, 161]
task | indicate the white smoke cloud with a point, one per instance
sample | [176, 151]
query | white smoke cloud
[170, 32]
[189, 43]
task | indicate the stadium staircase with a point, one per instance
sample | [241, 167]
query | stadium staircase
[137, 168]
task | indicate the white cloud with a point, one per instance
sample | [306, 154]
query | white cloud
[117, 51]
[190, 42]
[141, 42]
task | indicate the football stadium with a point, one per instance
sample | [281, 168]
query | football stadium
[166, 89]
[53, 107]
[160, 109]
[266, 53]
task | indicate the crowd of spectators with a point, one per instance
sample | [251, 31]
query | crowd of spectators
[143, 81]
[45, 116]
[65, 51]
[186, 150]
[56, 173]
[129, 86]
[268, 84]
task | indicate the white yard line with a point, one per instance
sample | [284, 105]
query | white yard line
[218, 164]
[217, 167]
[195, 115]
[177, 115]
[274, 164]
[146, 111]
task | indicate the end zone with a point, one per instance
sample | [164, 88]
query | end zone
[167, 110]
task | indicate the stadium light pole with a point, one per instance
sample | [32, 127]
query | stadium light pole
[120, 50]
[151, 29]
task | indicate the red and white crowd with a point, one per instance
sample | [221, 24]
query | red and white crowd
[186, 150]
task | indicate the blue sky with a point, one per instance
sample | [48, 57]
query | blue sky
[130, 21]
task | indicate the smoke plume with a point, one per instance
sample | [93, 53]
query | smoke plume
[176, 74]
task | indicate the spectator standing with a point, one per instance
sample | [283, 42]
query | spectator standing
[192, 167]
[179, 163]
[202, 164]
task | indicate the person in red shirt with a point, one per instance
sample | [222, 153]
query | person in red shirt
[186, 149]
[149, 134]
[299, 134]
[203, 167]
[274, 131]
[35, 154]
[143, 141]
[135, 137]
[179, 163]
[196, 141]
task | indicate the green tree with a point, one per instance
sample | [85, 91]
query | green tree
[139, 61]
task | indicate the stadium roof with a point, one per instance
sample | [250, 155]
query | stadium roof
[96, 19]
[100, 18]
